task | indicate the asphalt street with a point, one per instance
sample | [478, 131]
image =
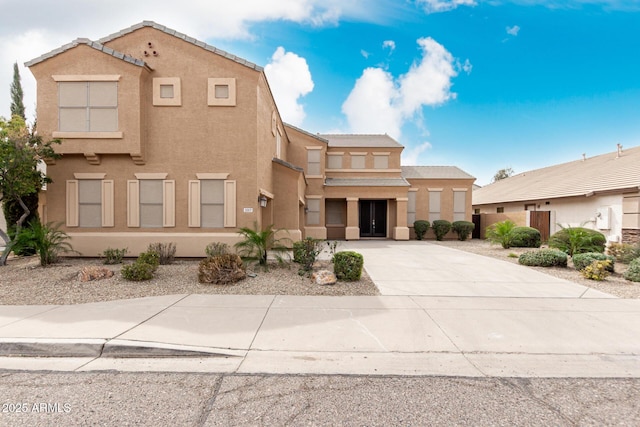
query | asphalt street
[186, 399]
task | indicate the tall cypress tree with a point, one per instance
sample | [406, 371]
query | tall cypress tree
[17, 106]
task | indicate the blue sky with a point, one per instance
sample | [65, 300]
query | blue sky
[482, 85]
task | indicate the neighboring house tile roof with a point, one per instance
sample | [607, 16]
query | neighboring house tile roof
[95, 45]
[184, 37]
[603, 173]
[99, 45]
[366, 182]
[434, 172]
[361, 141]
[287, 164]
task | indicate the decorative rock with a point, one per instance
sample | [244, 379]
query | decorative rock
[324, 277]
[94, 273]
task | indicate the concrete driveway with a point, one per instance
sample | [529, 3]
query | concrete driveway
[423, 268]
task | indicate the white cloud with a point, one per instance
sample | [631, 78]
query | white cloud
[466, 66]
[364, 53]
[289, 79]
[436, 6]
[381, 103]
[411, 155]
[51, 24]
[513, 30]
[389, 44]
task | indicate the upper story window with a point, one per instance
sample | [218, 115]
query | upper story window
[358, 160]
[221, 92]
[167, 91]
[334, 160]
[380, 161]
[313, 162]
[88, 106]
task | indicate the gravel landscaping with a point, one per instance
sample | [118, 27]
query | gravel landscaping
[24, 282]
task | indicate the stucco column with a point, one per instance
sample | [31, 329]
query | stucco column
[352, 231]
[401, 231]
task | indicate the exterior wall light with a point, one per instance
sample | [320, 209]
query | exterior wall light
[262, 201]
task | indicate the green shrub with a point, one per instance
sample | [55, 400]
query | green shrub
[137, 271]
[166, 252]
[152, 258]
[633, 272]
[113, 256]
[581, 261]
[12, 213]
[305, 252]
[347, 265]
[463, 229]
[441, 227]
[597, 270]
[221, 269]
[624, 252]
[578, 240]
[421, 227]
[257, 244]
[48, 241]
[544, 258]
[217, 248]
[525, 237]
[500, 233]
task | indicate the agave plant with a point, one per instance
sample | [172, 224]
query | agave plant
[256, 245]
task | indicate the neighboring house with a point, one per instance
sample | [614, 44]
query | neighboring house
[168, 139]
[601, 192]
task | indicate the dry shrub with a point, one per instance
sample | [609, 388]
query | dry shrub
[221, 269]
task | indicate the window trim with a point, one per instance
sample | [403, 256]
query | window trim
[168, 201]
[194, 204]
[87, 108]
[73, 201]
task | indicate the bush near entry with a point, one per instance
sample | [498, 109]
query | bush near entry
[525, 237]
[544, 258]
[463, 229]
[581, 261]
[441, 227]
[347, 265]
[633, 272]
[421, 227]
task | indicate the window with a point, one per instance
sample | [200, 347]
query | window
[411, 208]
[380, 161]
[313, 162]
[88, 106]
[500, 210]
[336, 211]
[151, 201]
[221, 92]
[334, 161]
[358, 161]
[167, 91]
[89, 201]
[434, 204]
[313, 211]
[459, 205]
[212, 201]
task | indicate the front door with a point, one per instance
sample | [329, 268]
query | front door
[373, 218]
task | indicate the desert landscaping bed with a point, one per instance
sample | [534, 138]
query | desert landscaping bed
[24, 282]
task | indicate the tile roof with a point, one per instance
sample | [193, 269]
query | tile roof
[184, 37]
[95, 45]
[347, 140]
[316, 136]
[366, 182]
[99, 45]
[603, 173]
[434, 172]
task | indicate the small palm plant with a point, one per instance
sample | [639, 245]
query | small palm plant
[47, 240]
[256, 245]
[500, 233]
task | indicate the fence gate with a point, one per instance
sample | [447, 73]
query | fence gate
[541, 220]
[476, 218]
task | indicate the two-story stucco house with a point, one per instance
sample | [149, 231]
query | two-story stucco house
[168, 139]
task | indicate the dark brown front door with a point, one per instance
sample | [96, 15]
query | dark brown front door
[373, 218]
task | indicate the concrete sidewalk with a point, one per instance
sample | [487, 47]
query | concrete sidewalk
[443, 312]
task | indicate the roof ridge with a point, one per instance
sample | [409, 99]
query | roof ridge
[92, 44]
[183, 37]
